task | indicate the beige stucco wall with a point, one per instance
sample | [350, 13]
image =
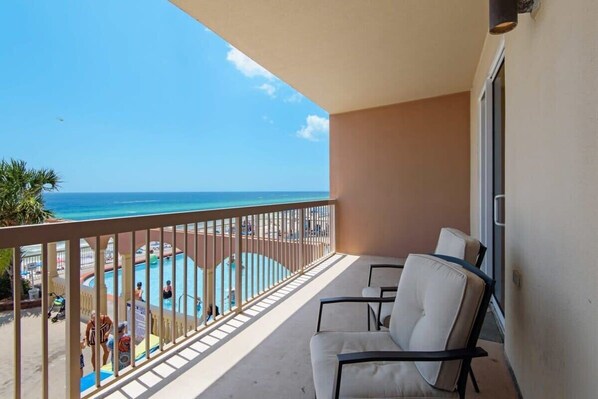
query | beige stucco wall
[552, 198]
[400, 173]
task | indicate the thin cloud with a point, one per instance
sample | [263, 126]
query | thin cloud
[294, 98]
[267, 119]
[246, 65]
[269, 89]
[315, 128]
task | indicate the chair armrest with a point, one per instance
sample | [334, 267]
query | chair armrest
[388, 289]
[401, 356]
[348, 299]
[382, 266]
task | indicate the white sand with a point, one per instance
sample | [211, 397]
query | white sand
[31, 355]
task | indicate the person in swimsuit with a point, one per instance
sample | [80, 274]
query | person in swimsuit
[167, 290]
[104, 332]
[139, 292]
[210, 311]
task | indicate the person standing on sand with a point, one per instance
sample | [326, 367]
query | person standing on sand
[122, 344]
[91, 334]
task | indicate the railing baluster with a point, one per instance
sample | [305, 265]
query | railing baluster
[290, 242]
[230, 263]
[271, 248]
[284, 247]
[116, 349]
[252, 256]
[45, 294]
[185, 272]
[222, 262]
[98, 286]
[148, 320]
[301, 234]
[298, 267]
[296, 240]
[245, 263]
[213, 268]
[195, 272]
[277, 249]
[173, 254]
[238, 266]
[160, 285]
[132, 287]
[206, 275]
[260, 251]
[73, 312]
[312, 237]
[16, 290]
[268, 246]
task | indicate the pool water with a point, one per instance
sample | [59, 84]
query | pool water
[254, 263]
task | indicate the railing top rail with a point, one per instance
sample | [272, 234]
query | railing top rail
[72, 230]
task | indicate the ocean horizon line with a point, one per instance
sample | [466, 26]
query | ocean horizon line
[100, 205]
[185, 192]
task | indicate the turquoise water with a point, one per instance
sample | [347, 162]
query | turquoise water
[84, 206]
[254, 262]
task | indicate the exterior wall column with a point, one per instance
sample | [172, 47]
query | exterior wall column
[100, 280]
[127, 278]
[52, 265]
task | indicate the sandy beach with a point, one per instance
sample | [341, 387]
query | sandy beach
[31, 355]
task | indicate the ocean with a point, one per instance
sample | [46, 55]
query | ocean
[86, 206]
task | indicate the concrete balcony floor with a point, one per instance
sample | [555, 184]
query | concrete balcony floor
[264, 352]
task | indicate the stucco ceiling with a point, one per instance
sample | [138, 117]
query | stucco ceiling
[347, 55]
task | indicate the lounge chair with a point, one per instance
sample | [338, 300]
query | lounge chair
[451, 242]
[426, 353]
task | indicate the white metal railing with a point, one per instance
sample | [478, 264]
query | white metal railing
[227, 258]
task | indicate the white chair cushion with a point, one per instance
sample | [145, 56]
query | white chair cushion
[435, 307]
[385, 309]
[366, 380]
[455, 243]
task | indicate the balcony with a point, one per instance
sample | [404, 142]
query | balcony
[256, 346]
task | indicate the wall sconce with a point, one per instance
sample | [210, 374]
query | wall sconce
[503, 14]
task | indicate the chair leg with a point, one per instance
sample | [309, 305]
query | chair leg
[473, 381]
[368, 309]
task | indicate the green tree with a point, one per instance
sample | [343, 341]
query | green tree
[21, 189]
[21, 198]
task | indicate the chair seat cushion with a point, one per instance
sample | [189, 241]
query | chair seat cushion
[366, 380]
[385, 309]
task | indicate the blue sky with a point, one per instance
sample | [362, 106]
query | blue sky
[138, 96]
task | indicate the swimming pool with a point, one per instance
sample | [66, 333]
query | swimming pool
[254, 263]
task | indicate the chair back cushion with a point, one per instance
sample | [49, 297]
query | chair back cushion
[455, 243]
[435, 308]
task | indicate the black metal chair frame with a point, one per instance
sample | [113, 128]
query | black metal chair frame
[465, 354]
[380, 323]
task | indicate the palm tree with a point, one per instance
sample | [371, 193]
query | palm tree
[21, 198]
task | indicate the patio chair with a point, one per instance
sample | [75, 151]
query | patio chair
[451, 242]
[437, 316]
